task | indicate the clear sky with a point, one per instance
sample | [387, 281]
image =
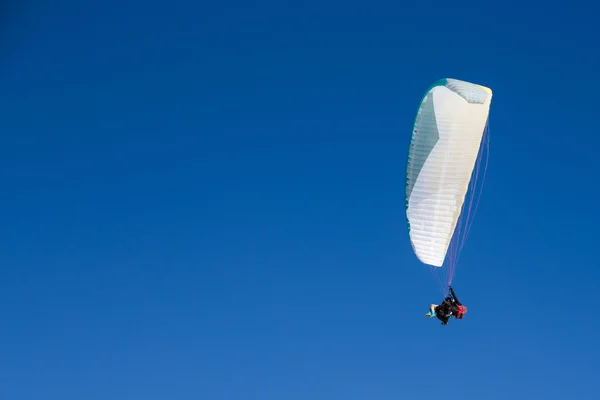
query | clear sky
[205, 200]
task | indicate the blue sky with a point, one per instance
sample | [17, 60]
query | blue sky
[206, 202]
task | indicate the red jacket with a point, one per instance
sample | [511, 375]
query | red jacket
[462, 310]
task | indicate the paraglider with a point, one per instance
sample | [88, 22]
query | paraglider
[451, 306]
[443, 159]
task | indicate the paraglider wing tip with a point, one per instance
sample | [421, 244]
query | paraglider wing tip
[487, 89]
[430, 261]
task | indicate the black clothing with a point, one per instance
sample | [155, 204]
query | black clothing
[454, 296]
[448, 307]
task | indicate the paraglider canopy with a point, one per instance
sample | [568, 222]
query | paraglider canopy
[443, 151]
